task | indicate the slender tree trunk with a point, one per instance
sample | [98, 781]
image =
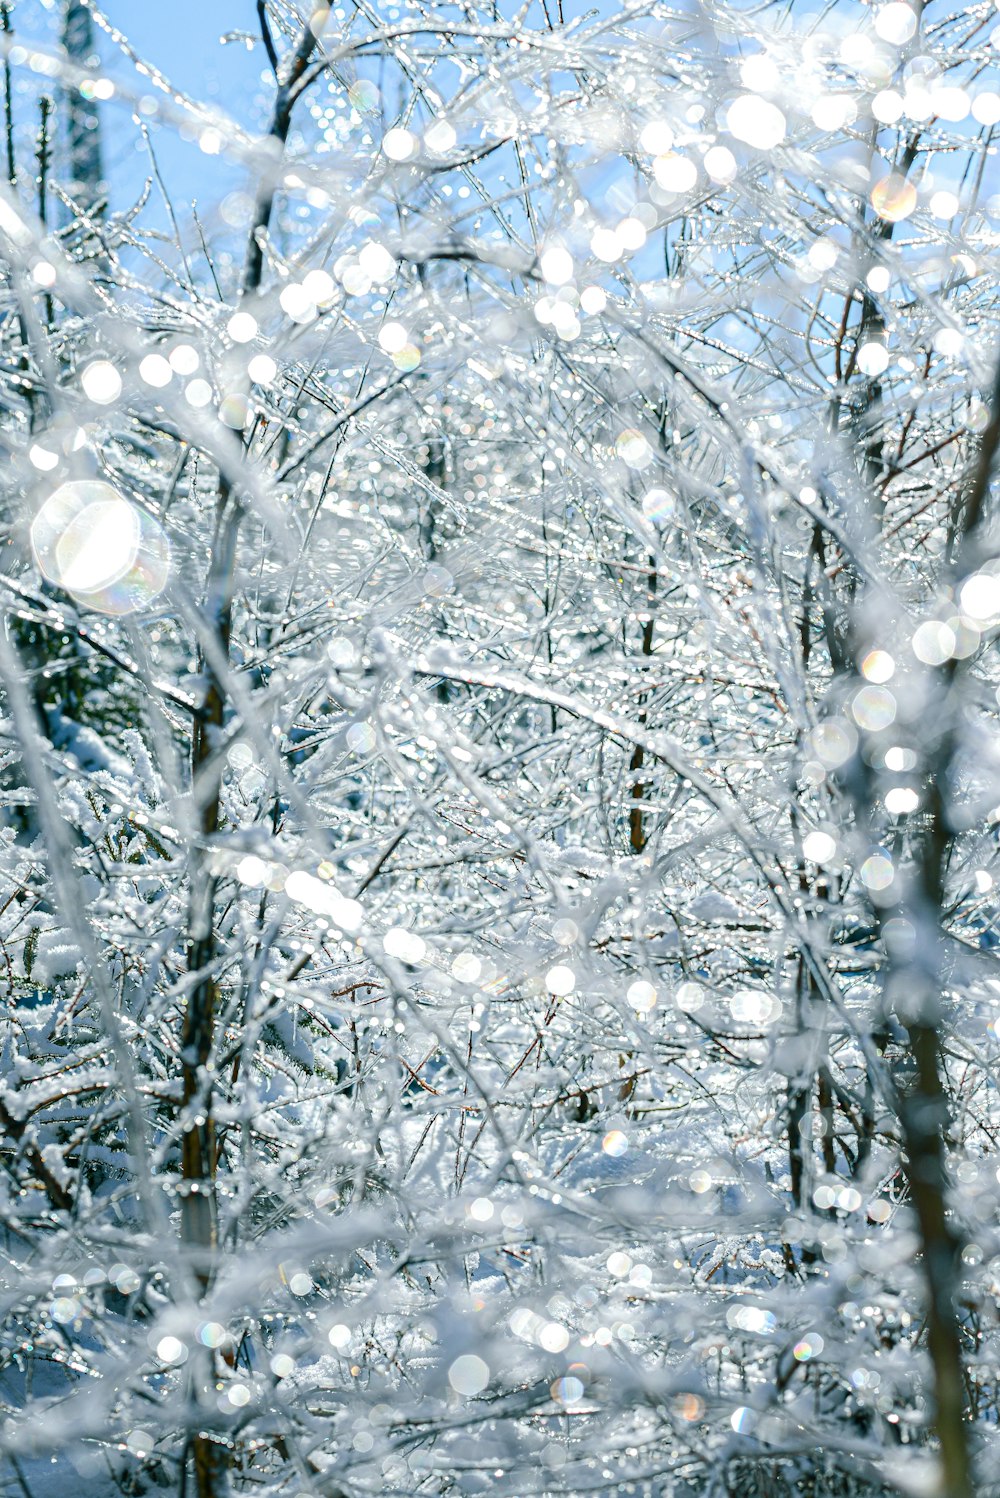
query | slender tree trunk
[86, 157]
[914, 985]
[199, 1152]
[915, 980]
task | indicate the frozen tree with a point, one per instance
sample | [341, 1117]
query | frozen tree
[499, 756]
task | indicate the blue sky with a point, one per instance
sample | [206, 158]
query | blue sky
[183, 40]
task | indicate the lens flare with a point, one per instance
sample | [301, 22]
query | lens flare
[107, 553]
[894, 198]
